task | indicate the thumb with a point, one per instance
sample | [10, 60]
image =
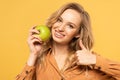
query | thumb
[81, 45]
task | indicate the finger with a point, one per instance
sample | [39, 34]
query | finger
[33, 31]
[37, 37]
[77, 62]
[79, 53]
[33, 37]
[33, 27]
[36, 41]
[75, 59]
[81, 45]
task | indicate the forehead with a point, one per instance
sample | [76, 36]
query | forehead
[71, 15]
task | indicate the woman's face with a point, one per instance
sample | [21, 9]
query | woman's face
[66, 27]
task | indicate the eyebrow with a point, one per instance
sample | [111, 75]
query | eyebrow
[68, 22]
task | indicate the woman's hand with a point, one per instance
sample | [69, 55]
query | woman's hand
[34, 41]
[35, 45]
[84, 56]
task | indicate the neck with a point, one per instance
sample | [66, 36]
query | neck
[60, 53]
[60, 49]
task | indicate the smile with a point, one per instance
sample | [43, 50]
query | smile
[59, 35]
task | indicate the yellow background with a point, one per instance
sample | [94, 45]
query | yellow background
[17, 16]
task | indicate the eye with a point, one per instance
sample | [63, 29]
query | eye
[71, 26]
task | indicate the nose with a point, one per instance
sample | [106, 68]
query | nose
[61, 27]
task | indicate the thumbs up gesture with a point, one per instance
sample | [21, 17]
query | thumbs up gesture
[84, 56]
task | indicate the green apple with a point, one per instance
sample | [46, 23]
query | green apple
[44, 32]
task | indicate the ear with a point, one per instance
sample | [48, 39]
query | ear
[77, 36]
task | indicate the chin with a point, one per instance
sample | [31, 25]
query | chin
[60, 41]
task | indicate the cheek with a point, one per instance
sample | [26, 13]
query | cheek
[53, 28]
[72, 33]
[55, 25]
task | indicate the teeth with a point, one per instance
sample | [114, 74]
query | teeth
[58, 34]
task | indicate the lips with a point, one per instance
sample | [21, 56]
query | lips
[59, 35]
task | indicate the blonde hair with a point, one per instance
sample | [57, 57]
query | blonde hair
[85, 31]
[85, 26]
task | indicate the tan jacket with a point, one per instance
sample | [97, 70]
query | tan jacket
[103, 70]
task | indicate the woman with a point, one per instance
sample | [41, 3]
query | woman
[67, 55]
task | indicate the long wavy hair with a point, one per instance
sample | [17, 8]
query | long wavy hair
[85, 31]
